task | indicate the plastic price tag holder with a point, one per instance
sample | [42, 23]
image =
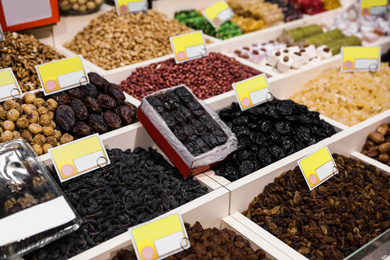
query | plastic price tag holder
[79, 157]
[189, 46]
[360, 58]
[318, 167]
[9, 87]
[373, 7]
[2, 37]
[57, 76]
[253, 91]
[218, 13]
[159, 238]
[130, 6]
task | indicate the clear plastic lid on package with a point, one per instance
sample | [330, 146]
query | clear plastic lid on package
[33, 209]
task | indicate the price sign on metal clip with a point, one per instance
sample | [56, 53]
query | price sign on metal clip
[159, 238]
[373, 7]
[318, 167]
[130, 6]
[61, 75]
[79, 157]
[360, 58]
[218, 13]
[189, 46]
[252, 92]
[9, 87]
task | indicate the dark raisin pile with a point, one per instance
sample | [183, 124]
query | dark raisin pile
[136, 187]
[268, 133]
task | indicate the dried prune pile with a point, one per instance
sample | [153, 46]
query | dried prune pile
[96, 107]
[268, 133]
[331, 221]
[136, 187]
[188, 120]
[210, 243]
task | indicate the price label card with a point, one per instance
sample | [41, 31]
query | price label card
[318, 167]
[252, 92]
[160, 238]
[218, 14]
[360, 58]
[62, 75]
[189, 46]
[9, 87]
[79, 157]
[130, 6]
[373, 7]
[2, 37]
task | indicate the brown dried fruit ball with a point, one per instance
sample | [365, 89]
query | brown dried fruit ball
[57, 134]
[39, 139]
[53, 124]
[39, 102]
[46, 147]
[13, 115]
[33, 116]
[43, 111]
[8, 125]
[35, 128]
[28, 108]
[29, 98]
[51, 140]
[47, 130]
[16, 134]
[45, 120]
[51, 114]
[19, 108]
[51, 104]
[27, 135]
[66, 138]
[6, 136]
[37, 149]
[9, 104]
[22, 123]
[3, 114]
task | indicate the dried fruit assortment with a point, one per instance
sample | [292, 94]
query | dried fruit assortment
[109, 42]
[377, 144]
[21, 53]
[309, 6]
[136, 187]
[268, 133]
[332, 221]
[210, 243]
[206, 77]
[188, 121]
[289, 10]
[348, 98]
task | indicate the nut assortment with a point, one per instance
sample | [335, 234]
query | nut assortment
[332, 221]
[210, 243]
[377, 144]
[79, 6]
[111, 41]
[269, 132]
[136, 187]
[21, 53]
[348, 98]
[206, 77]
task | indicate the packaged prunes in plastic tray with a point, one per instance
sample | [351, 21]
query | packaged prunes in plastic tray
[33, 209]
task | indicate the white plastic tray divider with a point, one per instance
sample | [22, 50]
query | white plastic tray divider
[208, 210]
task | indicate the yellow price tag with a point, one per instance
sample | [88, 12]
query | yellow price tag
[188, 46]
[130, 6]
[61, 75]
[252, 92]
[218, 13]
[160, 238]
[9, 86]
[79, 157]
[2, 37]
[318, 167]
[373, 7]
[360, 58]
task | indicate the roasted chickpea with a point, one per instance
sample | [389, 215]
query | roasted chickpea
[27, 135]
[51, 140]
[9, 104]
[47, 130]
[43, 111]
[35, 128]
[46, 147]
[39, 102]
[33, 116]
[53, 124]
[6, 136]
[28, 108]
[13, 115]
[51, 104]
[29, 98]
[45, 120]
[22, 123]
[57, 134]
[16, 135]
[39, 139]
[3, 114]
[66, 138]
[37, 149]
[8, 125]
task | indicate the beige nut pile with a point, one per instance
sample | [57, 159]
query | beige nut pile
[79, 5]
[32, 120]
[111, 41]
[22, 53]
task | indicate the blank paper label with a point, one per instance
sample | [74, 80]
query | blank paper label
[169, 243]
[24, 11]
[325, 170]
